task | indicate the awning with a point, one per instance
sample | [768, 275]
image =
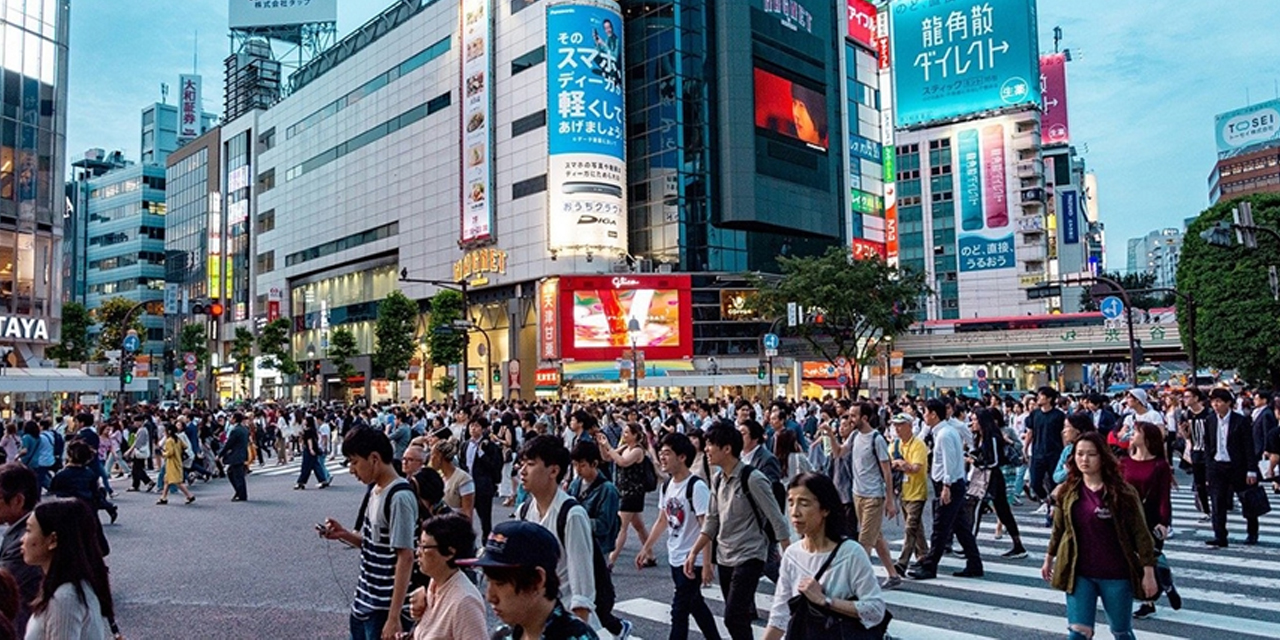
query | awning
[825, 383]
[50, 380]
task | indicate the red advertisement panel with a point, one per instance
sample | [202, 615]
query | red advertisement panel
[993, 172]
[597, 314]
[891, 221]
[862, 22]
[868, 249]
[547, 378]
[790, 109]
[1054, 128]
[883, 50]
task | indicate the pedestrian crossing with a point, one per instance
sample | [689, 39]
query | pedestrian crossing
[1230, 591]
[292, 468]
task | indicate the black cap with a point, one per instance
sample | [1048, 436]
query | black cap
[516, 543]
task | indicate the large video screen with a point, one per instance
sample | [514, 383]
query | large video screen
[790, 109]
[601, 318]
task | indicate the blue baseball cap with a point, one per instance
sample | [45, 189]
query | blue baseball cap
[516, 543]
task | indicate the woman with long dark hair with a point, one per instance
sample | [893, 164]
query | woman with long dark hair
[1100, 547]
[988, 458]
[786, 447]
[633, 448]
[1151, 476]
[848, 586]
[75, 597]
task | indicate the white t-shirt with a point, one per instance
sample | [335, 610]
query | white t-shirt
[682, 525]
[849, 577]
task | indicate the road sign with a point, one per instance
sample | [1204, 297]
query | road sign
[189, 388]
[770, 353]
[842, 379]
[841, 362]
[131, 342]
[1040, 292]
[189, 358]
[191, 375]
[982, 374]
[1111, 307]
[771, 341]
[177, 373]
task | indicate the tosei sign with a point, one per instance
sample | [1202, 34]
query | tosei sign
[1248, 127]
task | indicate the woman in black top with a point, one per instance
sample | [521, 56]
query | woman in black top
[989, 456]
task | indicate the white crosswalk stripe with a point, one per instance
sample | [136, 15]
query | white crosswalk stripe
[293, 467]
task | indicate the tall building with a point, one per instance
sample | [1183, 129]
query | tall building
[1248, 152]
[1157, 253]
[75, 237]
[160, 131]
[32, 165]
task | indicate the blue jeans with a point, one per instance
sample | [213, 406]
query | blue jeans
[322, 472]
[687, 602]
[369, 628]
[97, 465]
[1117, 601]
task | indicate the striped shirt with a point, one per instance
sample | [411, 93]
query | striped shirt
[378, 545]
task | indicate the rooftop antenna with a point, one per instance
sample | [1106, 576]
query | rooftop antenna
[164, 93]
[195, 54]
[1057, 37]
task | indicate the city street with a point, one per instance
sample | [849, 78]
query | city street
[217, 569]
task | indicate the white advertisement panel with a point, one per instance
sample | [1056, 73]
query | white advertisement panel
[188, 107]
[476, 83]
[245, 14]
[1247, 129]
[586, 128]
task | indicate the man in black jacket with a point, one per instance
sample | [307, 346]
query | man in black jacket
[1231, 464]
[235, 456]
[482, 458]
[19, 491]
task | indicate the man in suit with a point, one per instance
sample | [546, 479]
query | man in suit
[1104, 419]
[19, 491]
[482, 458]
[1231, 464]
[755, 453]
[235, 456]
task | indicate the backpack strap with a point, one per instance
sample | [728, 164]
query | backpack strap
[562, 519]
[688, 489]
[364, 507]
[744, 479]
[386, 503]
[826, 563]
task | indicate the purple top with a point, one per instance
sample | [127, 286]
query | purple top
[1100, 555]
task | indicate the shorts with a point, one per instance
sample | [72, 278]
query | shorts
[632, 503]
[870, 518]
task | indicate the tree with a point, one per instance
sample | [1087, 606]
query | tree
[1239, 319]
[446, 385]
[1132, 282]
[855, 304]
[342, 348]
[195, 339]
[110, 317]
[393, 336]
[273, 346]
[242, 352]
[445, 344]
[75, 345]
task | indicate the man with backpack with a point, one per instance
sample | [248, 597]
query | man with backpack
[872, 489]
[601, 499]
[744, 521]
[684, 501]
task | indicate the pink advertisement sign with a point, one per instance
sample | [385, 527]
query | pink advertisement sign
[996, 203]
[1053, 94]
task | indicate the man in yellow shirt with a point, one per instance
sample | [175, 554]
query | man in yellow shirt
[911, 458]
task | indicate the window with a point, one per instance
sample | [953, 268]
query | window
[529, 123]
[266, 221]
[267, 180]
[529, 60]
[368, 137]
[267, 139]
[266, 262]
[529, 187]
[342, 244]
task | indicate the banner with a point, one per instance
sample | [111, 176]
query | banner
[586, 128]
[477, 120]
[862, 22]
[1070, 212]
[549, 319]
[246, 14]
[1245, 129]
[984, 239]
[189, 107]
[1053, 96]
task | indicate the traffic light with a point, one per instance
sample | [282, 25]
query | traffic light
[126, 368]
[211, 308]
[1139, 357]
[761, 372]
[1219, 235]
[497, 374]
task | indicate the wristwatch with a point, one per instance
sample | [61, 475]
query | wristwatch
[826, 602]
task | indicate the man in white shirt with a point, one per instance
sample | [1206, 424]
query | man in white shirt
[949, 486]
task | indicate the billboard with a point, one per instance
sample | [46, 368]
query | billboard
[1053, 96]
[586, 128]
[598, 311]
[247, 14]
[189, 107]
[862, 22]
[790, 109]
[1070, 212]
[962, 57]
[549, 319]
[476, 83]
[982, 163]
[1248, 127]
[864, 249]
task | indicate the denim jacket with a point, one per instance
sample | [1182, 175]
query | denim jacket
[602, 501]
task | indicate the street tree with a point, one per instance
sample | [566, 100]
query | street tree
[110, 317]
[1239, 317]
[853, 307]
[242, 352]
[445, 344]
[1141, 282]
[446, 385]
[75, 345]
[394, 337]
[342, 348]
[273, 346]
[194, 339]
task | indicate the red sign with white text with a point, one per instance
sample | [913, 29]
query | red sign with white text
[867, 249]
[549, 319]
[1054, 128]
[882, 41]
[862, 22]
[598, 314]
[547, 378]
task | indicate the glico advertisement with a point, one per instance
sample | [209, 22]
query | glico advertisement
[962, 57]
[586, 128]
[983, 158]
[477, 121]
[597, 312]
[789, 109]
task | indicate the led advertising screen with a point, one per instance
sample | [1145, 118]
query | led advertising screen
[962, 57]
[790, 109]
[597, 315]
[586, 128]
[1247, 128]
[1054, 128]
[475, 87]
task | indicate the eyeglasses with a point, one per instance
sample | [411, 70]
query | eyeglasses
[424, 547]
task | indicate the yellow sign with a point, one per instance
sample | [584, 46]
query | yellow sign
[1030, 279]
[479, 262]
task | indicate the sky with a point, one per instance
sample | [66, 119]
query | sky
[1144, 85]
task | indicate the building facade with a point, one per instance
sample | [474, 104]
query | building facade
[159, 135]
[1248, 152]
[32, 161]
[1157, 253]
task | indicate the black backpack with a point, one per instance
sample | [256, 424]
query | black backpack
[605, 594]
[386, 505]
[688, 488]
[761, 521]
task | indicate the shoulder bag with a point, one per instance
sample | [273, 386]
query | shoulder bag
[811, 621]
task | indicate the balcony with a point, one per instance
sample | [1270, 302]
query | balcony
[1027, 140]
[1030, 168]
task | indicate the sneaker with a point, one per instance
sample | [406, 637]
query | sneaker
[626, 631]
[1016, 553]
[1204, 518]
[1175, 598]
[1043, 509]
[1145, 611]
[900, 568]
[890, 583]
[1169, 533]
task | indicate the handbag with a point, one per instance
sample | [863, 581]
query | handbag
[811, 621]
[979, 478]
[1253, 502]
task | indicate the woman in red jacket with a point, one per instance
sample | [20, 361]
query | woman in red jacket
[1150, 474]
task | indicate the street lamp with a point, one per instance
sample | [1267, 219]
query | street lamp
[633, 330]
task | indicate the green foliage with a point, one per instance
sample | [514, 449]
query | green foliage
[446, 385]
[445, 347]
[110, 317]
[242, 351]
[394, 335]
[342, 348]
[1238, 319]
[194, 339]
[75, 345]
[1132, 282]
[273, 345]
[861, 301]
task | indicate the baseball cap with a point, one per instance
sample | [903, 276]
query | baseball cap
[902, 417]
[516, 543]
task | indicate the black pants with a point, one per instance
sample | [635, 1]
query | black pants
[687, 602]
[138, 472]
[1040, 476]
[1221, 487]
[998, 491]
[484, 507]
[738, 586]
[950, 519]
[606, 597]
[1199, 481]
[235, 474]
